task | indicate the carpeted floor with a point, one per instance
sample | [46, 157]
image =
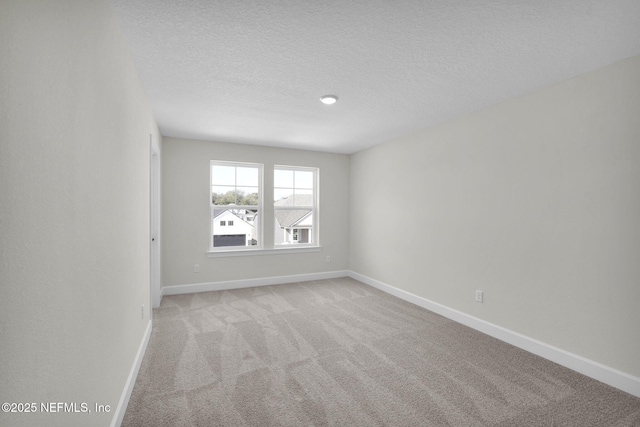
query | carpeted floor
[340, 353]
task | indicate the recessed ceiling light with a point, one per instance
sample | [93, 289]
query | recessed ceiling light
[328, 99]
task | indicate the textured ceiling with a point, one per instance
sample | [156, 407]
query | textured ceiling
[252, 71]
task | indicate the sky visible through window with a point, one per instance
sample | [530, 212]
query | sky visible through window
[290, 182]
[234, 179]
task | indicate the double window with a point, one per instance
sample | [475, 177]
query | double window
[238, 208]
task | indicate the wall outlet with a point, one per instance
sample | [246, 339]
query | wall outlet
[479, 296]
[196, 268]
[142, 312]
[328, 258]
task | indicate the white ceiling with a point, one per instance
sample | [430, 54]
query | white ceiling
[252, 71]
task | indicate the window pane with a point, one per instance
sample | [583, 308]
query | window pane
[288, 221]
[223, 195]
[304, 179]
[303, 198]
[223, 175]
[283, 178]
[281, 195]
[247, 177]
[234, 227]
[247, 196]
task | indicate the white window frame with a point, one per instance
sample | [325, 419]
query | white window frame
[258, 224]
[314, 234]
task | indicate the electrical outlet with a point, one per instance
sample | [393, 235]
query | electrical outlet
[479, 296]
[142, 312]
[196, 268]
[328, 258]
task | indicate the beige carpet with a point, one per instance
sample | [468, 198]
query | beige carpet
[340, 353]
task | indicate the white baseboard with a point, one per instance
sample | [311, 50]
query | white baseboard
[613, 377]
[131, 380]
[249, 283]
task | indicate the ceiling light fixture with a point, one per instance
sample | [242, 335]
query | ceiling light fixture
[328, 99]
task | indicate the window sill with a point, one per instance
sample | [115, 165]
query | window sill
[255, 252]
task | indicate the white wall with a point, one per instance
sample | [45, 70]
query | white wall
[74, 210]
[186, 216]
[535, 201]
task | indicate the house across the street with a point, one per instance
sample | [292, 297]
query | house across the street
[234, 227]
[294, 225]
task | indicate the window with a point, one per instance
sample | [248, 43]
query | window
[237, 209]
[236, 204]
[295, 205]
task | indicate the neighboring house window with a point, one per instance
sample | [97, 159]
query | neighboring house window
[295, 205]
[236, 204]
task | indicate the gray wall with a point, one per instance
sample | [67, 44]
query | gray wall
[186, 216]
[74, 210]
[535, 201]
